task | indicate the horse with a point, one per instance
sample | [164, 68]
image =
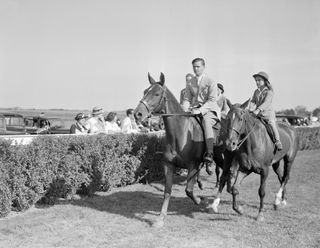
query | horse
[181, 150]
[251, 149]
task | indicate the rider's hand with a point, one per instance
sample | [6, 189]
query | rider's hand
[196, 111]
[256, 111]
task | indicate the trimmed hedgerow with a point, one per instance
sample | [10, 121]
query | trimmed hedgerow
[55, 167]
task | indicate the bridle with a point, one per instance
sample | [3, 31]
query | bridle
[238, 132]
[163, 100]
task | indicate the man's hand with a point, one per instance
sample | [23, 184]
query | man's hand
[256, 111]
[196, 111]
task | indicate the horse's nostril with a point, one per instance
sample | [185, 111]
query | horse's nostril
[139, 114]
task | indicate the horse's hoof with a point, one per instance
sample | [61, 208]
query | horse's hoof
[284, 203]
[260, 217]
[197, 200]
[239, 210]
[276, 207]
[211, 210]
[158, 223]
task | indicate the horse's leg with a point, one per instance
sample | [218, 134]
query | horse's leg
[263, 178]
[235, 190]
[168, 172]
[191, 179]
[277, 169]
[286, 175]
[217, 176]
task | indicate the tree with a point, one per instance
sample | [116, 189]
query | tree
[287, 112]
[316, 112]
[302, 110]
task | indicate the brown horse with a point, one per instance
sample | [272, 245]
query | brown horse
[250, 149]
[182, 149]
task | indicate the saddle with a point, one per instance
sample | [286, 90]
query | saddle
[268, 128]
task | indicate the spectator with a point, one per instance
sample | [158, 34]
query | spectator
[189, 77]
[111, 125]
[128, 124]
[78, 127]
[223, 102]
[96, 124]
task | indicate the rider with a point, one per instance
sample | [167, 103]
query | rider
[205, 92]
[261, 104]
[223, 102]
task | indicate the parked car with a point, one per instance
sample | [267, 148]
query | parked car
[293, 120]
[45, 125]
[12, 124]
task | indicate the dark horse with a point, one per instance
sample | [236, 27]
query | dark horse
[250, 149]
[181, 149]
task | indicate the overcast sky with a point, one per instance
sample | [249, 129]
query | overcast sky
[76, 54]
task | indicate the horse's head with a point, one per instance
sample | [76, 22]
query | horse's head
[153, 100]
[235, 126]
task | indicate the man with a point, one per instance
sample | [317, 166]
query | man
[189, 77]
[78, 127]
[262, 106]
[96, 124]
[223, 102]
[128, 124]
[205, 93]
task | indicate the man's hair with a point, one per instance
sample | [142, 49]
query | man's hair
[110, 117]
[198, 59]
[129, 112]
[189, 75]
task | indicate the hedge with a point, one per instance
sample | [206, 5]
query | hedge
[58, 167]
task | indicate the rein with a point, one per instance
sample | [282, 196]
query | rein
[246, 137]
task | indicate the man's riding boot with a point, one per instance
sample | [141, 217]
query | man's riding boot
[278, 145]
[208, 156]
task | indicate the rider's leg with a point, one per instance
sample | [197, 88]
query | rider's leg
[273, 125]
[209, 120]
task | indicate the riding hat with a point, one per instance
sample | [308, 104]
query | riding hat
[263, 75]
[80, 116]
[97, 111]
[220, 86]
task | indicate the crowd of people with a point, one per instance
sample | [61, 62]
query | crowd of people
[98, 122]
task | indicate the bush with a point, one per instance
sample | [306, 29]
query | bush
[54, 167]
[309, 138]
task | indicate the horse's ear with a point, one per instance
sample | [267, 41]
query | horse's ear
[162, 79]
[245, 105]
[151, 80]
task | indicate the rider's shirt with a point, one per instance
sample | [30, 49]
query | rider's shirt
[205, 94]
[263, 100]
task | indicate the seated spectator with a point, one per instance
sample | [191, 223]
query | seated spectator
[111, 125]
[128, 124]
[95, 124]
[78, 127]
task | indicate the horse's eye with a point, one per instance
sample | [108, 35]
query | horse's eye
[157, 94]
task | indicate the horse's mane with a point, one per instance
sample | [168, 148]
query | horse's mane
[173, 100]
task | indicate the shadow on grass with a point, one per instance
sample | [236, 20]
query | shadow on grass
[139, 205]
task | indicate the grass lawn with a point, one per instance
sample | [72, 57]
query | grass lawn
[123, 217]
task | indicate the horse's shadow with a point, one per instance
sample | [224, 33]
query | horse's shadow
[140, 205]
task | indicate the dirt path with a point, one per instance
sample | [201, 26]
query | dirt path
[123, 217]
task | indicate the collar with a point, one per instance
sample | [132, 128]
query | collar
[263, 89]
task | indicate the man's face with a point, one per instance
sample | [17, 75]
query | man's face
[198, 68]
[259, 81]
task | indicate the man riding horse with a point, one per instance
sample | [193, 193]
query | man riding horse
[205, 93]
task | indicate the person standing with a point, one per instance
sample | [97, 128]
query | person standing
[78, 127]
[205, 92]
[111, 125]
[262, 106]
[128, 124]
[223, 102]
[189, 77]
[96, 124]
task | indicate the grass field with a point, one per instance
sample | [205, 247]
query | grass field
[123, 217]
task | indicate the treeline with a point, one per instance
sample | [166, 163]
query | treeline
[301, 111]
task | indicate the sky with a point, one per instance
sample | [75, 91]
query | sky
[77, 54]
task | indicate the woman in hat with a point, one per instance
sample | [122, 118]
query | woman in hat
[79, 127]
[96, 123]
[261, 104]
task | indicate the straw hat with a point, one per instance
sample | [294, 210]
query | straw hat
[97, 111]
